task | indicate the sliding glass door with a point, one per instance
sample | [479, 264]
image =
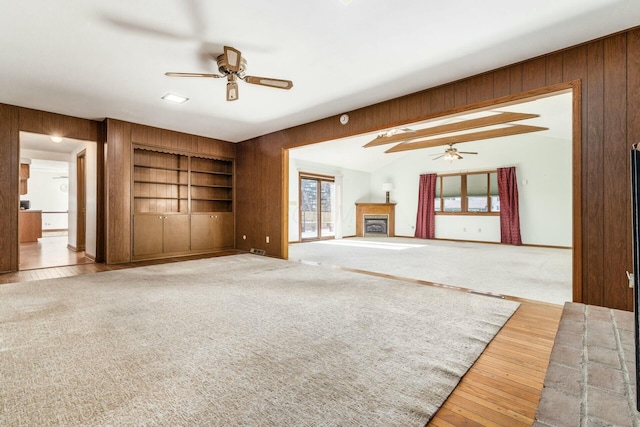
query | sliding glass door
[317, 207]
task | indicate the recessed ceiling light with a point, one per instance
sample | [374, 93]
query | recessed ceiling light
[175, 98]
[56, 139]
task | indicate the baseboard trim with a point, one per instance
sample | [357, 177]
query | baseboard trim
[90, 256]
[546, 246]
[71, 247]
[498, 243]
[468, 241]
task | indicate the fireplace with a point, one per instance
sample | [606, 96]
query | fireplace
[376, 225]
[382, 216]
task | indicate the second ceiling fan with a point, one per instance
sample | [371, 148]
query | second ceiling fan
[232, 65]
[452, 154]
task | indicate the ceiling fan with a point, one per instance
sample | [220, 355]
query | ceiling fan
[452, 154]
[232, 66]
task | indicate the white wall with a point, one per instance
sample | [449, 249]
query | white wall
[544, 170]
[46, 191]
[353, 187]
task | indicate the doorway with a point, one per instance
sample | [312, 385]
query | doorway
[550, 189]
[57, 225]
[317, 207]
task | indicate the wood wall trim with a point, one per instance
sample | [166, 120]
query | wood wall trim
[604, 77]
[9, 190]
[14, 119]
[121, 138]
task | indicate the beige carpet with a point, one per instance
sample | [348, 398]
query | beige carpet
[240, 340]
[541, 274]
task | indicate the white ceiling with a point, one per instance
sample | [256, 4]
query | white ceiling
[554, 113]
[96, 59]
[44, 143]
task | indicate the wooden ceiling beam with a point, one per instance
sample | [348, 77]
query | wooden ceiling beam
[496, 119]
[465, 137]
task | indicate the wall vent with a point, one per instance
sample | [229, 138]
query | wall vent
[258, 251]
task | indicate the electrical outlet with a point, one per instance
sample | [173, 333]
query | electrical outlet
[244, 237]
[464, 228]
[267, 239]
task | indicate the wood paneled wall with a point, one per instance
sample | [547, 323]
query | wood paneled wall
[608, 71]
[120, 137]
[12, 121]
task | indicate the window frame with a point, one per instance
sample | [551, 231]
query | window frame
[463, 194]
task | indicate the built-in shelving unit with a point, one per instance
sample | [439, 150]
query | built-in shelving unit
[211, 185]
[182, 203]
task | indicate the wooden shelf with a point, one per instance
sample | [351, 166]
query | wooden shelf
[212, 172]
[160, 182]
[161, 198]
[211, 186]
[162, 168]
[181, 204]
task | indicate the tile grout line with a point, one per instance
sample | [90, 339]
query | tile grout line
[585, 362]
[625, 372]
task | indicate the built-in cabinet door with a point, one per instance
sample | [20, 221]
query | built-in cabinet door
[223, 236]
[212, 231]
[147, 234]
[176, 233]
[202, 232]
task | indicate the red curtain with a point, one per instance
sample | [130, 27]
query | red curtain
[509, 209]
[426, 221]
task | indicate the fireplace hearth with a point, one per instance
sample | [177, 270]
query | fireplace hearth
[376, 225]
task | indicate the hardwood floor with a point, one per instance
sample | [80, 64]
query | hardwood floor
[501, 389]
[76, 270]
[50, 251]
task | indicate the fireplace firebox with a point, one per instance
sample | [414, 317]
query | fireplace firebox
[376, 225]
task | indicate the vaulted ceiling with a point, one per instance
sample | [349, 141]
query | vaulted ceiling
[97, 59]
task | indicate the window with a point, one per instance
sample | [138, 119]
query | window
[473, 193]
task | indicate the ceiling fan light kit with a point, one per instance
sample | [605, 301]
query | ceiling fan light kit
[232, 65]
[452, 154]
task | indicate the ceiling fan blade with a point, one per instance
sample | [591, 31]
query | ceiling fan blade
[439, 157]
[458, 156]
[144, 29]
[213, 76]
[267, 81]
[233, 58]
[467, 152]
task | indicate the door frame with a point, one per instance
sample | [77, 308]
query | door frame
[318, 178]
[81, 201]
[573, 86]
